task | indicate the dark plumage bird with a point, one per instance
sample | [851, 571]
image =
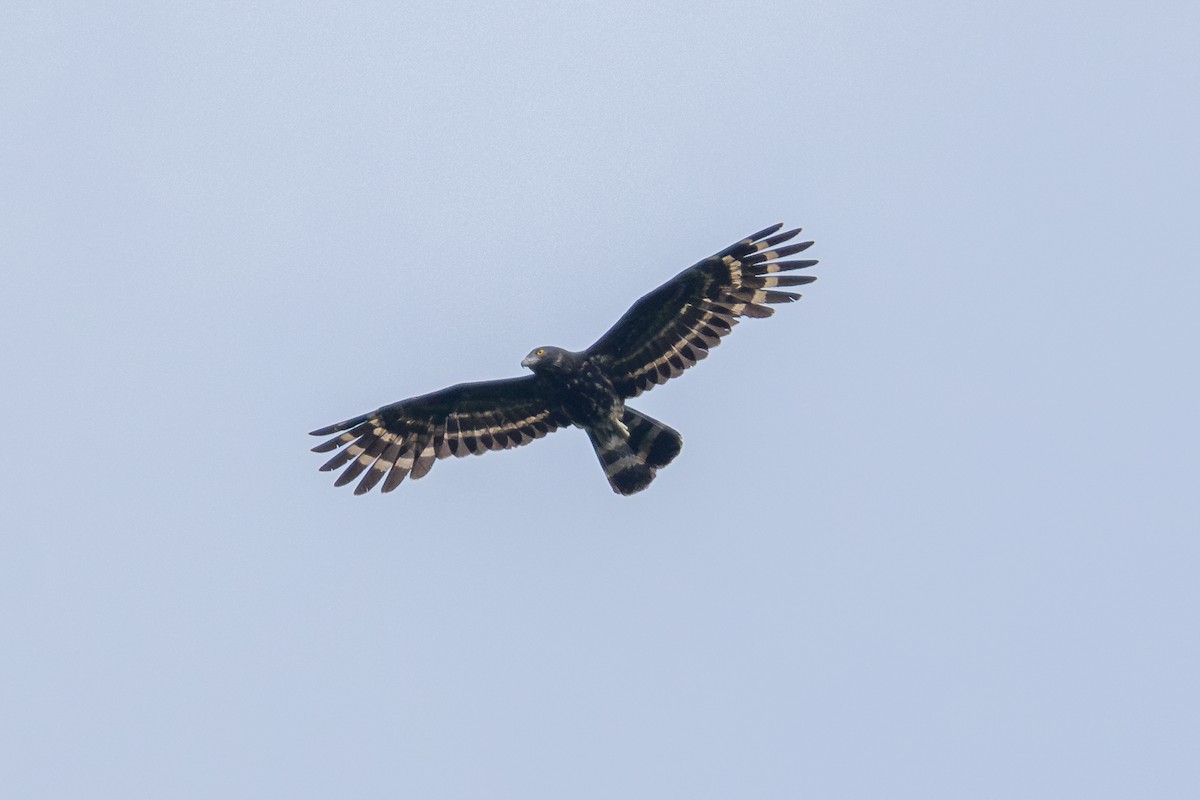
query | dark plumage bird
[663, 334]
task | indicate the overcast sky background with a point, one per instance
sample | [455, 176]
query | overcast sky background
[933, 532]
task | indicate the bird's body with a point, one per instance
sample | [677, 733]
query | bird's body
[665, 332]
[586, 393]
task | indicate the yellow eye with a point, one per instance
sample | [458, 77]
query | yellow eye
[541, 351]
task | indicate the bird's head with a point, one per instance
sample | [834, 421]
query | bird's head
[546, 359]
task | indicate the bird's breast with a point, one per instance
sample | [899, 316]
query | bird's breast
[589, 395]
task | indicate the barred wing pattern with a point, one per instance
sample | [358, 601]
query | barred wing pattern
[676, 325]
[406, 438]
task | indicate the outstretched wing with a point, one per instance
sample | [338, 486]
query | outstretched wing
[406, 438]
[674, 326]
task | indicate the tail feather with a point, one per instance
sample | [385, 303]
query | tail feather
[632, 451]
[656, 444]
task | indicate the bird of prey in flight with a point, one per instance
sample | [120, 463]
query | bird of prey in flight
[661, 335]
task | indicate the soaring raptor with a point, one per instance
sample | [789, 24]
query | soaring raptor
[663, 334]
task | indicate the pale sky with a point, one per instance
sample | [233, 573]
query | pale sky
[934, 529]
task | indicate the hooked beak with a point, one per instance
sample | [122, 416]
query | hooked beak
[528, 361]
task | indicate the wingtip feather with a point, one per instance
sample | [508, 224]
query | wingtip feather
[338, 427]
[754, 237]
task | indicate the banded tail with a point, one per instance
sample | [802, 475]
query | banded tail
[632, 456]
